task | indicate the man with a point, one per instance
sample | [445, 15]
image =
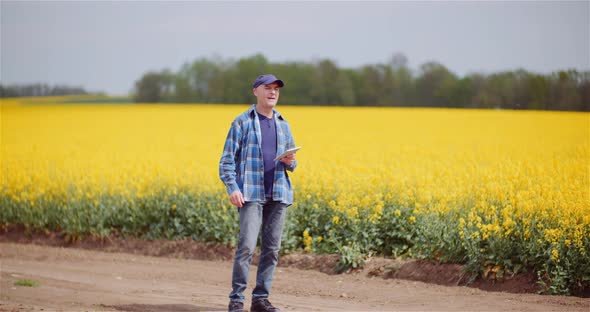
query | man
[259, 187]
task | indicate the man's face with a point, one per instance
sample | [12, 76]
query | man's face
[267, 95]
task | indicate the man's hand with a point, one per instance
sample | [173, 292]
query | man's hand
[288, 160]
[236, 199]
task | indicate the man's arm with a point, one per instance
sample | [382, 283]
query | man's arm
[290, 165]
[227, 163]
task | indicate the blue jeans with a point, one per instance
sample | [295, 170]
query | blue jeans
[271, 215]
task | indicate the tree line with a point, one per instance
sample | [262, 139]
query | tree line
[391, 83]
[38, 89]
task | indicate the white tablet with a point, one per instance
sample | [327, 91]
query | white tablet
[288, 152]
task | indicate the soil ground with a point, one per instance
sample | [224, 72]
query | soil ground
[79, 279]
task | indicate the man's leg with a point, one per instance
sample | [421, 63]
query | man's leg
[273, 218]
[250, 220]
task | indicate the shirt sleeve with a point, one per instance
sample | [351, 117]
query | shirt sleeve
[290, 144]
[227, 163]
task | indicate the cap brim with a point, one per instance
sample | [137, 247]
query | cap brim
[269, 80]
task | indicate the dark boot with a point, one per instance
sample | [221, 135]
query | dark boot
[235, 306]
[263, 305]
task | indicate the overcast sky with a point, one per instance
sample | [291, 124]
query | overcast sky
[107, 46]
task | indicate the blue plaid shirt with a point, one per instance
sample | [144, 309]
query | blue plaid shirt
[241, 166]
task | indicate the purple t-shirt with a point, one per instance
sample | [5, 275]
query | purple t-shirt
[269, 151]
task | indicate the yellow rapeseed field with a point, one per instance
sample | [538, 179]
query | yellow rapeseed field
[498, 190]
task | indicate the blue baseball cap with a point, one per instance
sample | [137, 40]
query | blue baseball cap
[266, 80]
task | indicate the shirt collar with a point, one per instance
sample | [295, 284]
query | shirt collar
[252, 112]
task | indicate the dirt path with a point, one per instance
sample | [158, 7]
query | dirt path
[84, 280]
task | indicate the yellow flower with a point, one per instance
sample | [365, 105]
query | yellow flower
[554, 255]
[336, 219]
[307, 240]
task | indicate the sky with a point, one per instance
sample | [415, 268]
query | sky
[107, 46]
